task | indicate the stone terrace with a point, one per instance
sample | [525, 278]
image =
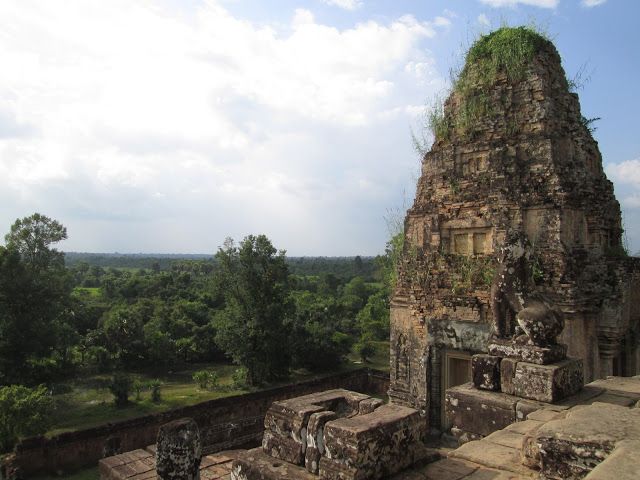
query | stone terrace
[593, 435]
[141, 465]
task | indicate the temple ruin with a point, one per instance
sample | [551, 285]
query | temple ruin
[512, 155]
[513, 292]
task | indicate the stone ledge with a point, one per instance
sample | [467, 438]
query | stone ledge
[528, 353]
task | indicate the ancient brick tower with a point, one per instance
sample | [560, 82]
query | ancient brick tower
[512, 153]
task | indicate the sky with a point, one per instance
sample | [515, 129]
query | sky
[165, 126]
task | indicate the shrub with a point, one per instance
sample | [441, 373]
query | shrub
[23, 412]
[154, 386]
[201, 377]
[206, 379]
[120, 387]
[239, 378]
[365, 349]
[138, 386]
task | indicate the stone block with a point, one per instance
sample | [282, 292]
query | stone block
[369, 405]
[372, 446]
[544, 383]
[479, 412]
[485, 370]
[257, 465]
[528, 353]
[178, 450]
[449, 468]
[285, 435]
[315, 440]
[490, 455]
[507, 372]
[573, 446]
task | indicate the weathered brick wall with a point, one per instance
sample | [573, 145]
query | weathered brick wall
[526, 164]
[225, 423]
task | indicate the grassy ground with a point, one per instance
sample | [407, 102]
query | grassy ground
[89, 403]
[379, 360]
[83, 292]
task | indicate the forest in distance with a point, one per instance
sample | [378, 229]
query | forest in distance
[65, 316]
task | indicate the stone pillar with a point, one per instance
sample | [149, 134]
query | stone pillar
[178, 450]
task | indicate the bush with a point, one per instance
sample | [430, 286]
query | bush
[23, 412]
[239, 378]
[154, 386]
[120, 387]
[365, 349]
[138, 386]
[206, 379]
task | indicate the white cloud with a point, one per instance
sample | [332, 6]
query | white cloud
[513, 3]
[145, 130]
[592, 3]
[442, 22]
[627, 172]
[631, 201]
[484, 20]
[346, 4]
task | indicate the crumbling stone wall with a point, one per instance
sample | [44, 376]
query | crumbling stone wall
[224, 423]
[528, 164]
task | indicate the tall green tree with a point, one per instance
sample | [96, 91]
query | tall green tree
[252, 328]
[32, 238]
[34, 302]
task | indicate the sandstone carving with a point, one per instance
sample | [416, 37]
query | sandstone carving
[514, 233]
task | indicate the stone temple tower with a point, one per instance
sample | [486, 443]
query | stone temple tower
[512, 154]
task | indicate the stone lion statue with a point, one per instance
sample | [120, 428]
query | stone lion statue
[518, 312]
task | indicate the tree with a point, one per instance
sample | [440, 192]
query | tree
[373, 319]
[35, 303]
[252, 328]
[33, 311]
[32, 237]
[124, 331]
[23, 412]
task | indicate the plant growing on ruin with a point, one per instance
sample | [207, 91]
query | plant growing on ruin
[470, 272]
[508, 51]
[588, 123]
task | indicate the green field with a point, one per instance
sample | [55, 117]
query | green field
[379, 360]
[87, 292]
[89, 402]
